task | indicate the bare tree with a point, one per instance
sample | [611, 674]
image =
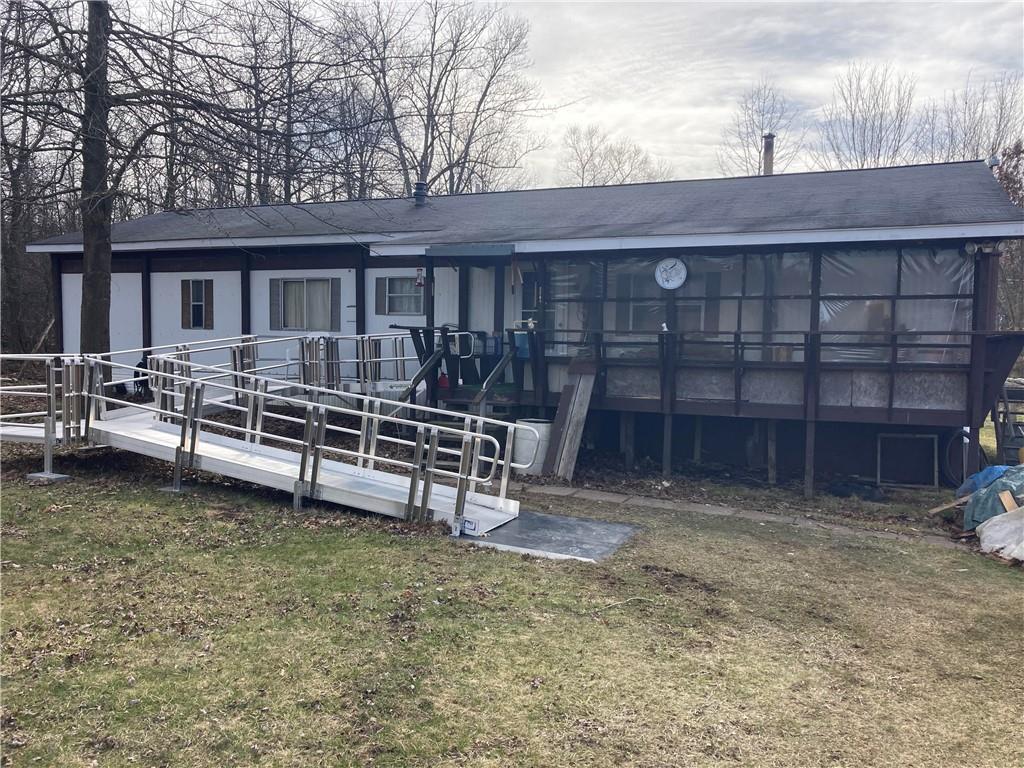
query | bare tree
[1010, 172]
[870, 121]
[591, 157]
[972, 123]
[448, 80]
[762, 109]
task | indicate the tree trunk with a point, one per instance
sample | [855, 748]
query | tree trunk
[96, 199]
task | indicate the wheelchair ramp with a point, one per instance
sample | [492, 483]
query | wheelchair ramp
[370, 490]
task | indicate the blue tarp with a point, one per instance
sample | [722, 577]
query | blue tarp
[985, 503]
[980, 480]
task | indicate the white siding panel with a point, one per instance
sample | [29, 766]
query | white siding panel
[125, 311]
[446, 299]
[165, 297]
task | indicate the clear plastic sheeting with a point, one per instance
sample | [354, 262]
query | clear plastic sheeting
[936, 272]
[576, 280]
[853, 321]
[712, 276]
[778, 274]
[935, 329]
[859, 272]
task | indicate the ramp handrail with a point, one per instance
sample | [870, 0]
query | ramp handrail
[426, 447]
[424, 409]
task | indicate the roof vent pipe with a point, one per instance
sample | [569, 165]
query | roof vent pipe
[420, 193]
[768, 155]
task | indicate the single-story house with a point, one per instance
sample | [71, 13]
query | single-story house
[841, 318]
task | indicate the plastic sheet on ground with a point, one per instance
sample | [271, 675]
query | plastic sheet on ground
[1003, 535]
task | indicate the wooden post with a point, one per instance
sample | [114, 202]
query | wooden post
[772, 466]
[627, 437]
[499, 299]
[810, 428]
[147, 311]
[698, 429]
[245, 276]
[666, 445]
[56, 275]
[463, 270]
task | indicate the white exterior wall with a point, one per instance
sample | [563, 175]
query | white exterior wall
[259, 298]
[259, 308]
[125, 311]
[446, 299]
[165, 310]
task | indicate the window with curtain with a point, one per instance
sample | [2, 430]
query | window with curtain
[404, 297]
[306, 305]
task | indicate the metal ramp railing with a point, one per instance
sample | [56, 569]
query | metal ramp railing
[313, 414]
[357, 422]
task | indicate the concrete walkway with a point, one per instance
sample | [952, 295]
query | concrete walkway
[668, 505]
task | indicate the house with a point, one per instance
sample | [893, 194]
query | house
[840, 319]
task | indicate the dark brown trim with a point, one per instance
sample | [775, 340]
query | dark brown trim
[245, 288]
[147, 302]
[73, 266]
[499, 298]
[361, 295]
[56, 277]
[463, 273]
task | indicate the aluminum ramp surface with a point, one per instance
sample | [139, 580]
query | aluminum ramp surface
[370, 490]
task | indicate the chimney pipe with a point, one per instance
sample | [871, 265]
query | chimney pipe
[420, 193]
[768, 156]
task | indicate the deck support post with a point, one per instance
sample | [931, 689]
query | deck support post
[627, 437]
[698, 437]
[773, 475]
[810, 429]
[666, 445]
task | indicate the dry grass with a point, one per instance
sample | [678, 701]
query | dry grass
[217, 628]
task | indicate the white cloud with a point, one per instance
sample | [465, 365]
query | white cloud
[667, 75]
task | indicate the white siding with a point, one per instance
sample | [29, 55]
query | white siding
[446, 299]
[260, 297]
[125, 310]
[165, 300]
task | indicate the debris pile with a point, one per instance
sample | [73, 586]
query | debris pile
[991, 501]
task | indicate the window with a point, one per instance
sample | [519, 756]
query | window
[196, 304]
[305, 304]
[398, 296]
[404, 297]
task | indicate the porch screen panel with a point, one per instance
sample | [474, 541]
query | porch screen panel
[573, 305]
[635, 309]
[933, 330]
[936, 272]
[859, 272]
[853, 321]
[776, 317]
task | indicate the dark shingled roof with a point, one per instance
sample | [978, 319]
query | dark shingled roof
[908, 196]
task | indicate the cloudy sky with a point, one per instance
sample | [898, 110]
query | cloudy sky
[668, 75]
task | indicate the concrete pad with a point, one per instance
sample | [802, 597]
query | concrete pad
[557, 536]
[552, 490]
[47, 478]
[612, 498]
[647, 503]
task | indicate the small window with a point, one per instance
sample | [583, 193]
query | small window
[196, 304]
[404, 297]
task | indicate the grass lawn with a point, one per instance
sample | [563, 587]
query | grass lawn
[218, 628]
